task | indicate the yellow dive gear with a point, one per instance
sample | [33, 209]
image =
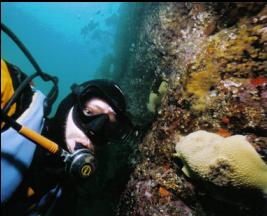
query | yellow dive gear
[7, 89]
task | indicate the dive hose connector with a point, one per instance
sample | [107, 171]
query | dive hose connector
[80, 164]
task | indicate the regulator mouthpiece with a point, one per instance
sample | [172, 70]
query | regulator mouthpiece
[80, 164]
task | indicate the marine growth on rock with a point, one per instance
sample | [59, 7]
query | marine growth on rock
[213, 56]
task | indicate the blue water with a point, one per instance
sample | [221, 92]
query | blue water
[68, 39]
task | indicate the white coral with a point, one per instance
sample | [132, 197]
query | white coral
[202, 152]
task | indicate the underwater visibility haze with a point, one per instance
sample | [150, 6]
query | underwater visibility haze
[68, 40]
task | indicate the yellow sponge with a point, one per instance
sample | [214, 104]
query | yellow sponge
[155, 99]
[153, 102]
[230, 161]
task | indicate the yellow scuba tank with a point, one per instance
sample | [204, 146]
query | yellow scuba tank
[7, 89]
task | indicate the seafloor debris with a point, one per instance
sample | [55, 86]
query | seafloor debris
[214, 59]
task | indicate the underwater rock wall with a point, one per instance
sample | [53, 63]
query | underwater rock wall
[126, 66]
[213, 57]
[101, 194]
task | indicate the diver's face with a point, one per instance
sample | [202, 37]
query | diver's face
[74, 135]
[97, 106]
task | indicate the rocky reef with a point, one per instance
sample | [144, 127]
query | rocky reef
[213, 56]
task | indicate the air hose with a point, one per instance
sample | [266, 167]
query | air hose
[52, 95]
[79, 164]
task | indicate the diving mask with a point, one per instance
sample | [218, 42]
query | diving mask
[99, 128]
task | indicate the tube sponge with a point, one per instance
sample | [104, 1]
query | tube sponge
[155, 99]
[163, 88]
[230, 161]
[153, 102]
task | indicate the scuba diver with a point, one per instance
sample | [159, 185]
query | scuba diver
[41, 157]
